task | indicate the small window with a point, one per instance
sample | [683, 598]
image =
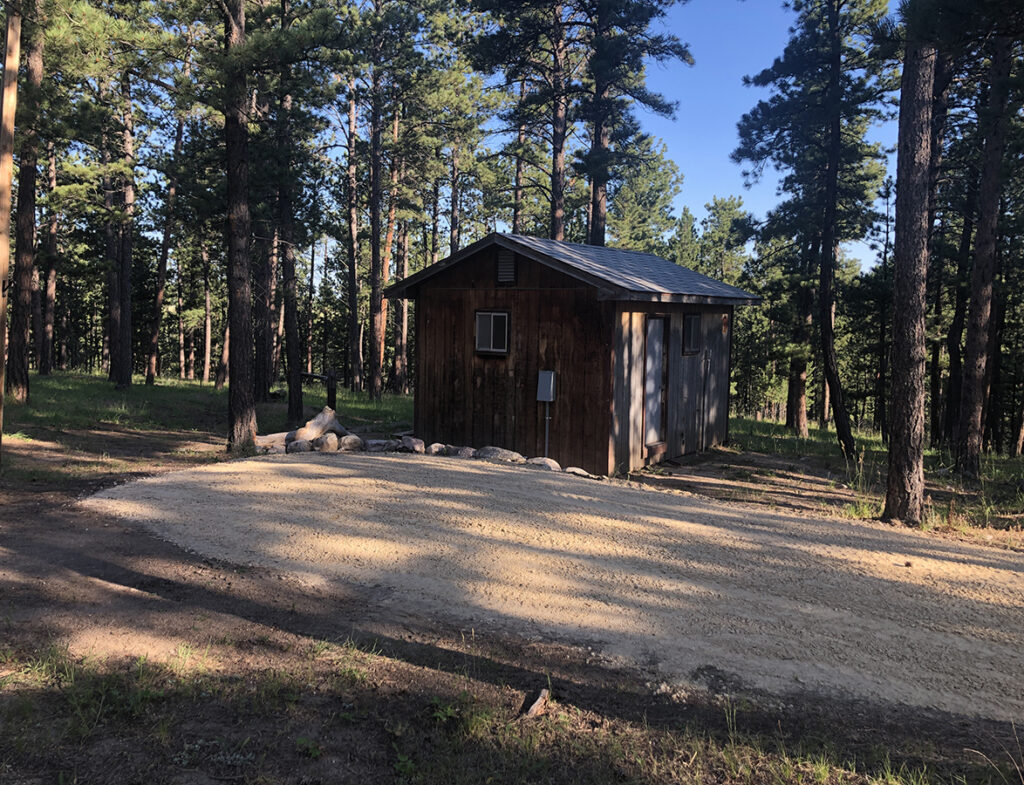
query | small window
[691, 333]
[506, 267]
[492, 332]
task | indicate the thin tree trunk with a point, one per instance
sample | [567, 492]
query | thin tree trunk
[165, 250]
[9, 100]
[828, 240]
[904, 499]
[954, 383]
[400, 378]
[435, 218]
[600, 137]
[123, 377]
[355, 348]
[376, 196]
[517, 192]
[24, 241]
[221, 377]
[285, 222]
[310, 293]
[241, 406]
[181, 321]
[454, 217]
[796, 397]
[559, 122]
[983, 274]
[208, 315]
[940, 113]
[46, 359]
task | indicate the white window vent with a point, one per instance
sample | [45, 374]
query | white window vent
[506, 267]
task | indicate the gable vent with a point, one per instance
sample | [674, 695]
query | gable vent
[506, 266]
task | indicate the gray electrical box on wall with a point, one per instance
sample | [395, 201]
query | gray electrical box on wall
[546, 386]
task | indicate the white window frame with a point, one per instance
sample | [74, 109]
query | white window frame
[485, 336]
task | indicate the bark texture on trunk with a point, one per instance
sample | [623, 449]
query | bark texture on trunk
[559, 121]
[983, 274]
[355, 348]
[51, 263]
[400, 377]
[376, 272]
[954, 337]
[125, 363]
[25, 228]
[9, 100]
[829, 241]
[241, 406]
[286, 222]
[904, 499]
[208, 316]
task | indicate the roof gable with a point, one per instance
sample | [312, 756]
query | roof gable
[620, 274]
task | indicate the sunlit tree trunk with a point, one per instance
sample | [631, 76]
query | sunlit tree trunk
[904, 497]
[355, 348]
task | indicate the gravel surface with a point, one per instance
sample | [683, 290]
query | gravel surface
[676, 584]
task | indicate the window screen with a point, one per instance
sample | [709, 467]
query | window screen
[691, 333]
[492, 332]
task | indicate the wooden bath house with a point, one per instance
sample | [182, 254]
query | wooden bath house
[601, 358]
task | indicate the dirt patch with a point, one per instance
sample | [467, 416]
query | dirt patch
[685, 587]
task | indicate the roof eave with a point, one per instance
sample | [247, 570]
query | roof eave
[686, 299]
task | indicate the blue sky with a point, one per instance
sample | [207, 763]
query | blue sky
[729, 39]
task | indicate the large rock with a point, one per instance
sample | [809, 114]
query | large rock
[412, 444]
[455, 451]
[323, 423]
[326, 443]
[499, 454]
[548, 464]
[299, 445]
[436, 449]
[581, 473]
[351, 443]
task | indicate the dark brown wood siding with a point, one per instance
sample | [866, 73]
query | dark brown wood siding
[556, 323]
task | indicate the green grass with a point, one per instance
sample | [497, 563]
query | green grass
[995, 500]
[65, 401]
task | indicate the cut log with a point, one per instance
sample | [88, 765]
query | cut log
[540, 705]
[273, 440]
[351, 443]
[323, 423]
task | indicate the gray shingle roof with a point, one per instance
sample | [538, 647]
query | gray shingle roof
[624, 275]
[633, 271]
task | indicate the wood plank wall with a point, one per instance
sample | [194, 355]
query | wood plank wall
[555, 323]
[686, 383]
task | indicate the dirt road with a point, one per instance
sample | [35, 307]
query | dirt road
[676, 584]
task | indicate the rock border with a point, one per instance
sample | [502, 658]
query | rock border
[325, 434]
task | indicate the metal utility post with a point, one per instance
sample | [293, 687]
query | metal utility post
[546, 393]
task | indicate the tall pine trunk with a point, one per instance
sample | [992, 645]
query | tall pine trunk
[517, 190]
[954, 336]
[124, 364]
[376, 198]
[400, 377]
[207, 314]
[286, 224]
[904, 497]
[24, 241]
[9, 100]
[355, 347]
[829, 239]
[559, 121]
[46, 358]
[454, 233]
[241, 406]
[983, 274]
